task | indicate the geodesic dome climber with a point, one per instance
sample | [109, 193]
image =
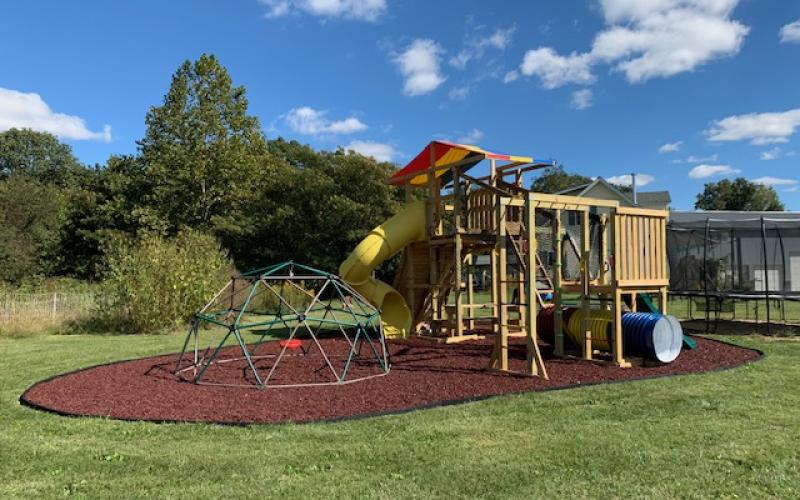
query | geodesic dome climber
[287, 325]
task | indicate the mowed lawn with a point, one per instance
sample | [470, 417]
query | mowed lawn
[733, 434]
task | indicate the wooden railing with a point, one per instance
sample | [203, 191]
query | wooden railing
[481, 210]
[641, 257]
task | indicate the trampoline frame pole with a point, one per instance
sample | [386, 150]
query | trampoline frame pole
[766, 270]
[705, 268]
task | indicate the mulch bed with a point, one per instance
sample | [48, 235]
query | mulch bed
[423, 374]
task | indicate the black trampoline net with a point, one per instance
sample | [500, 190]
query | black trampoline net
[735, 257]
[735, 265]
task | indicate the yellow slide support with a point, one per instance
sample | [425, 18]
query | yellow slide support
[380, 244]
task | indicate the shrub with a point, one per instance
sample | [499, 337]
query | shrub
[155, 284]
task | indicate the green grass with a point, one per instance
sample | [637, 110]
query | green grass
[729, 434]
[747, 310]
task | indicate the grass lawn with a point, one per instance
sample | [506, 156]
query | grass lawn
[734, 433]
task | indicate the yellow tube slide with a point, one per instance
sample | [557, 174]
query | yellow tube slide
[380, 244]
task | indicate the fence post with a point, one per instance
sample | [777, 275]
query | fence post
[55, 307]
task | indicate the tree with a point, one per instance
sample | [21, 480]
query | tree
[313, 207]
[739, 194]
[555, 179]
[38, 155]
[110, 204]
[31, 216]
[201, 149]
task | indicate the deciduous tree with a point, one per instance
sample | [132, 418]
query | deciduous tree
[739, 194]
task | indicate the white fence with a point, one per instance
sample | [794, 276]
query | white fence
[43, 308]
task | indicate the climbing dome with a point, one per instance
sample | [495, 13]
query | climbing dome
[287, 325]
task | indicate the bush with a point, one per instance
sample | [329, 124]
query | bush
[156, 284]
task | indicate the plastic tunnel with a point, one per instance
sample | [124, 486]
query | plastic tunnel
[379, 245]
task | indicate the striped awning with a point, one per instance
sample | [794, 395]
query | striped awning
[447, 153]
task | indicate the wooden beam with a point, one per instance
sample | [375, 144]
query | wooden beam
[534, 361]
[617, 346]
[557, 274]
[576, 200]
[646, 212]
[584, 266]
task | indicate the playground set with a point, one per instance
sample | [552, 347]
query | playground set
[565, 276]
[564, 269]
[329, 333]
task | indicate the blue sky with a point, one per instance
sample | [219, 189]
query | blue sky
[681, 92]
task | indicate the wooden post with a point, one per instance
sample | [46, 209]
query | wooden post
[557, 316]
[457, 282]
[617, 346]
[534, 361]
[603, 276]
[470, 291]
[493, 255]
[457, 271]
[585, 278]
[500, 360]
[433, 262]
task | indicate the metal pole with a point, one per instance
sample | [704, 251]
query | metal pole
[766, 273]
[705, 267]
[783, 275]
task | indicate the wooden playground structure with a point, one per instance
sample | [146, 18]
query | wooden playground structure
[541, 249]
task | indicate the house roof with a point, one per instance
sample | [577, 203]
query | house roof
[585, 188]
[654, 197]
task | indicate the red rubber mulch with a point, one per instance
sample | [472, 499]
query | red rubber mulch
[423, 374]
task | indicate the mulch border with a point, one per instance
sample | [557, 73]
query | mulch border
[451, 402]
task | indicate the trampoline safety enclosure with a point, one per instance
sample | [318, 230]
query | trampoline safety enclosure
[719, 260]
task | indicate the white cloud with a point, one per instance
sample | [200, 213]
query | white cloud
[363, 10]
[28, 110]
[459, 93]
[626, 180]
[758, 128]
[377, 150]
[309, 121]
[705, 171]
[791, 32]
[661, 38]
[500, 39]
[702, 159]
[581, 99]
[555, 70]
[420, 65]
[474, 48]
[771, 154]
[670, 147]
[792, 189]
[645, 39]
[472, 137]
[511, 76]
[774, 181]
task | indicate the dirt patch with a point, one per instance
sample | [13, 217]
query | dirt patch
[423, 374]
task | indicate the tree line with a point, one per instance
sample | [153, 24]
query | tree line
[203, 165]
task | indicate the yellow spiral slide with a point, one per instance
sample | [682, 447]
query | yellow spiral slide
[379, 245]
